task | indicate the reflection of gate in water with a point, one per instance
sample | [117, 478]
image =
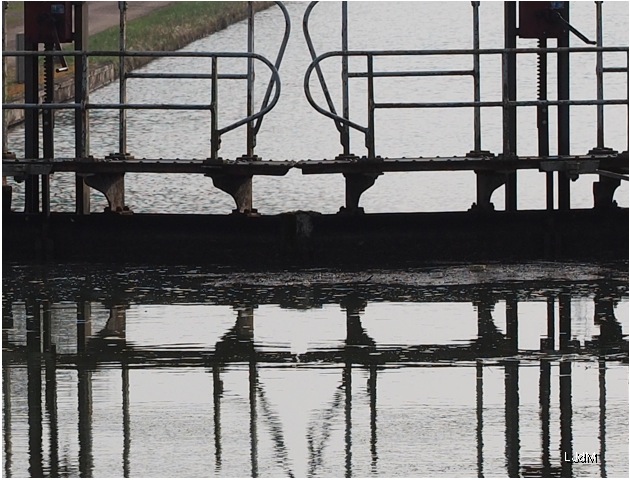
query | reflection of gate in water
[359, 354]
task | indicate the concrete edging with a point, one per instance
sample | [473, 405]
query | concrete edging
[64, 90]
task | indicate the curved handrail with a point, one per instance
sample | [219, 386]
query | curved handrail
[339, 120]
[279, 57]
[275, 82]
[320, 75]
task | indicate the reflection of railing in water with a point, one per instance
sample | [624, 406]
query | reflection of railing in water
[342, 398]
[353, 298]
[237, 344]
[358, 353]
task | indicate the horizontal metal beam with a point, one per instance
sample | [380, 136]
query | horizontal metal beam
[465, 51]
[381, 105]
[614, 163]
[130, 53]
[376, 53]
[419, 73]
[194, 76]
[94, 166]
[615, 69]
[105, 106]
[489, 163]
[519, 103]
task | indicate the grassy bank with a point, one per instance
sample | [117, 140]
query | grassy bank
[169, 28]
[14, 14]
[173, 27]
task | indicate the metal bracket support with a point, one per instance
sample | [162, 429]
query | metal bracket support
[239, 187]
[604, 191]
[7, 194]
[7, 190]
[112, 185]
[356, 184]
[572, 168]
[487, 183]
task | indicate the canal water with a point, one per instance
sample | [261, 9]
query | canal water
[442, 371]
[460, 371]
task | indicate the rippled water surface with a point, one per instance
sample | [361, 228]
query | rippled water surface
[445, 371]
[191, 372]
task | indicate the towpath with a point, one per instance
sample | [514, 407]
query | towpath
[101, 16]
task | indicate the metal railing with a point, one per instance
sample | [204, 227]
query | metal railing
[253, 118]
[370, 74]
[252, 128]
[214, 77]
[343, 122]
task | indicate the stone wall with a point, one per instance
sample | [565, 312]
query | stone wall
[64, 90]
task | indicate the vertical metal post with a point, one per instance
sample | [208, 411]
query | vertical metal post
[347, 380]
[47, 344]
[5, 120]
[566, 419]
[479, 393]
[215, 140]
[31, 125]
[216, 394]
[602, 417]
[6, 189]
[542, 113]
[253, 383]
[84, 394]
[509, 95]
[551, 323]
[512, 440]
[370, 141]
[122, 81]
[81, 96]
[251, 134]
[51, 392]
[599, 71]
[48, 124]
[564, 137]
[345, 129]
[511, 321]
[565, 322]
[126, 419]
[373, 436]
[476, 78]
[84, 324]
[34, 388]
[545, 408]
[33, 327]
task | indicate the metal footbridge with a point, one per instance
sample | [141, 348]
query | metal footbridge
[360, 169]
